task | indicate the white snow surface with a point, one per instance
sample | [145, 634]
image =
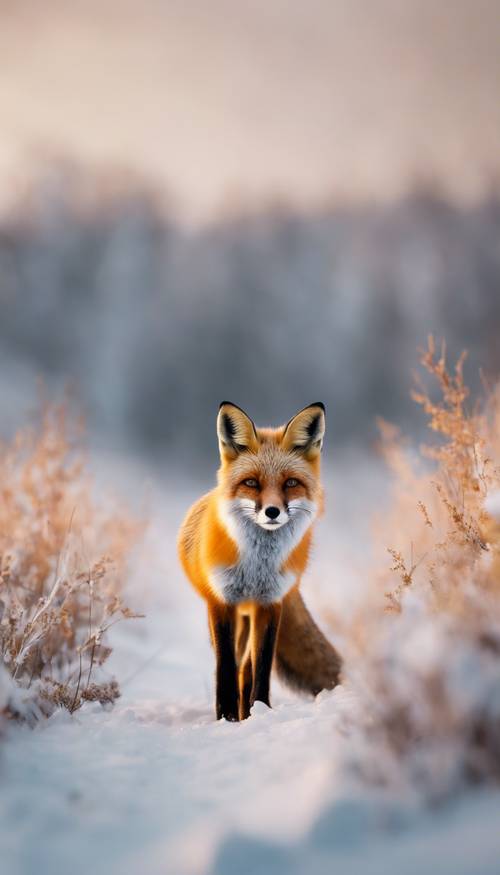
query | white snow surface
[155, 785]
[492, 504]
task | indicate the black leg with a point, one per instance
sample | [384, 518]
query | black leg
[222, 628]
[265, 625]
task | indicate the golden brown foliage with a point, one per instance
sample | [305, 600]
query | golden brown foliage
[62, 563]
[431, 662]
[442, 514]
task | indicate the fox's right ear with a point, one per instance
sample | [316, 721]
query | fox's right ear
[235, 430]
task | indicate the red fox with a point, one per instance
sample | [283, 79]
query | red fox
[245, 545]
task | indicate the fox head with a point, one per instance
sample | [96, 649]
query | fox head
[270, 476]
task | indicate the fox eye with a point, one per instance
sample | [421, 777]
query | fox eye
[251, 482]
[291, 482]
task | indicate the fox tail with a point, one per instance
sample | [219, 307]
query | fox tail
[305, 660]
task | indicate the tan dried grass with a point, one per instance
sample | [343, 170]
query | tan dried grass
[440, 529]
[428, 666]
[62, 566]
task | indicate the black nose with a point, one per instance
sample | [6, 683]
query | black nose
[272, 512]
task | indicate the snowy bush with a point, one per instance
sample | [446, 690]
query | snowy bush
[430, 665]
[62, 561]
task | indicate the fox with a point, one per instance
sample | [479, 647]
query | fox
[244, 547]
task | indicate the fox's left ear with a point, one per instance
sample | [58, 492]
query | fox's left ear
[305, 431]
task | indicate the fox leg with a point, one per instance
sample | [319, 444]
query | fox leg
[265, 625]
[245, 679]
[242, 636]
[243, 659]
[222, 630]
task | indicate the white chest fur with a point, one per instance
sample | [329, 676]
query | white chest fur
[257, 575]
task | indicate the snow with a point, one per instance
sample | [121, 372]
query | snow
[351, 838]
[492, 504]
[156, 785]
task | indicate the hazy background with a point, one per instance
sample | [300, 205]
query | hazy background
[270, 203]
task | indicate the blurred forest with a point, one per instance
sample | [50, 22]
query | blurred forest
[154, 323]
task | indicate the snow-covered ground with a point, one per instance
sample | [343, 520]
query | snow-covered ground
[156, 785]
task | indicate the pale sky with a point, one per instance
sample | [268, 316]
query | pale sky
[220, 100]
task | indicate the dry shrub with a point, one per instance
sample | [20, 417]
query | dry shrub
[62, 561]
[430, 662]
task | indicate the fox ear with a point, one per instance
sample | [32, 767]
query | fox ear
[235, 430]
[305, 431]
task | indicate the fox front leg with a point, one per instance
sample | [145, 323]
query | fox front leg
[244, 662]
[265, 626]
[222, 629]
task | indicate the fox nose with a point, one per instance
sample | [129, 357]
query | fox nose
[272, 512]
